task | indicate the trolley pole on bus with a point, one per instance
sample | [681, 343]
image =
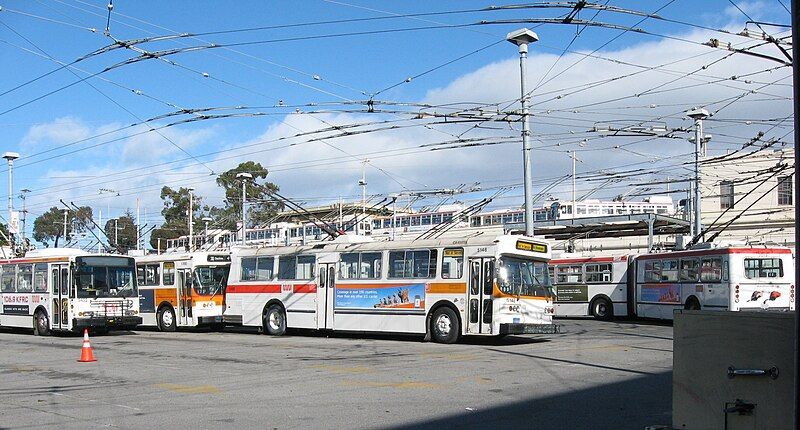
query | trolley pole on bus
[244, 177]
[522, 38]
[698, 115]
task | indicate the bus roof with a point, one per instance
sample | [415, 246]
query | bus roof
[719, 251]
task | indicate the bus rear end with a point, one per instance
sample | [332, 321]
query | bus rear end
[523, 295]
[762, 279]
[106, 295]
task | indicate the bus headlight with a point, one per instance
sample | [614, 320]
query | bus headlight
[86, 314]
[131, 313]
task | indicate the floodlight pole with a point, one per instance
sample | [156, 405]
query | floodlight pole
[796, 96]
[10, 157]
[698, 115]
[191, 219]
[244, 177]
[522, 38]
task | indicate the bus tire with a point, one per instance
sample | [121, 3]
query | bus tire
[166, 319]
[41, 323]
[692, 304]
[602, 309]
[275, 321]
[444, 326]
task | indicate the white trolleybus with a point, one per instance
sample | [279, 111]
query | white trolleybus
[591, 285]
[735, 278]
[182, 289]
[444, 287]
[65, 289]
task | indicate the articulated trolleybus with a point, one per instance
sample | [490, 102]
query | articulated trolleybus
[444, 287]
[64, 289]
[182, 289]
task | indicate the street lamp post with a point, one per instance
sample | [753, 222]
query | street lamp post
[191, 220]
[206, 220]
[698, 115]
[10, 157]
[244, 177]
[522, 38]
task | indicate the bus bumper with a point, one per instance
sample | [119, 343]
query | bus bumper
[122, 323]
[520, 328]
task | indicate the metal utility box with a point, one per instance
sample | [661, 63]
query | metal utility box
[733, 370]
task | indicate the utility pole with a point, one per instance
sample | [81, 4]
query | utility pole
[191, 221]
[698, 115]
[574, 200]
[100, 231]
[244, 177]
[522, 38]
[363, 184]
[138, 226]
[23, 196]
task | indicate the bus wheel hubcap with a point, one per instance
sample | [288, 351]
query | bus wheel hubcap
[166, 318]
[443, 324]
[275, 320]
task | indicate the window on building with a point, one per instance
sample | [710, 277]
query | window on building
[725, 195]
[784, 190]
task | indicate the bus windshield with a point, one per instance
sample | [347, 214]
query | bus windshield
[210, 280]
[102, 277]
[523, 277]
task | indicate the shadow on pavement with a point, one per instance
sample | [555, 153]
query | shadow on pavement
[632, 404]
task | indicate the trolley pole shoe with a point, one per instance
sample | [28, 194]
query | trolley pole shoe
[87, 355]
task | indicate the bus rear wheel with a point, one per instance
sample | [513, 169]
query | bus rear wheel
[166, 319]
[692, 304]
[444, 326]
[602, 309]
[41, 324]
[275, 321]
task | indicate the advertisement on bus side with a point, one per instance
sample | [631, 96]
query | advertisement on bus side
[406, 296]
[572, 293]
[660, 293]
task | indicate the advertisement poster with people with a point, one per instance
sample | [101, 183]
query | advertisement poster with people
[660, 293]
[408, 296]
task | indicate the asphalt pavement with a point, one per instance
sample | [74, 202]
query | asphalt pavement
[596, 375]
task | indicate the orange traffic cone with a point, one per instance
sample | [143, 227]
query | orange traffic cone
[87, 355]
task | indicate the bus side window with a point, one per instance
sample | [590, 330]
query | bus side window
[40, 278]
[453, 263]
[65, 287]
[8, 278]
[169, 273]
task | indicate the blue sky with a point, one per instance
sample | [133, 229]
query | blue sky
[262, 75]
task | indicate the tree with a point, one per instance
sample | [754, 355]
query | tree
[121, 232]
[261, 207]
[49, 226]
[175, 213]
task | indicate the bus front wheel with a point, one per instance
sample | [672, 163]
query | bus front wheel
[166, 319]
[275, 321]
[444, 326]
[41, 324]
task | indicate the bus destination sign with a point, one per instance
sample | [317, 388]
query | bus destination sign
[532, 247]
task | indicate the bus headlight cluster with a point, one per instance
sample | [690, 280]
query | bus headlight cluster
[86, 314]
[129, 313]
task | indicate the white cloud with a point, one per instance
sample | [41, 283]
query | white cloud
[61, 130]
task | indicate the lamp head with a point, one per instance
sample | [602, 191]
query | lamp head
[696, 113]
[522, 38]
[11, 156]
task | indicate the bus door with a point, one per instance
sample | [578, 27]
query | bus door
[479, 309]
[60, 316]
[325, 292]
[185, 296]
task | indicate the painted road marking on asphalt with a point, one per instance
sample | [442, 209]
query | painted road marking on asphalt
[344, 369]
[189, 389]
[402, 385]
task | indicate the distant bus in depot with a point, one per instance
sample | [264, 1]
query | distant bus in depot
[709, 276]
[447, 288]
[182, 289]
[735, 278]
[591, 285]
[63, 289]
